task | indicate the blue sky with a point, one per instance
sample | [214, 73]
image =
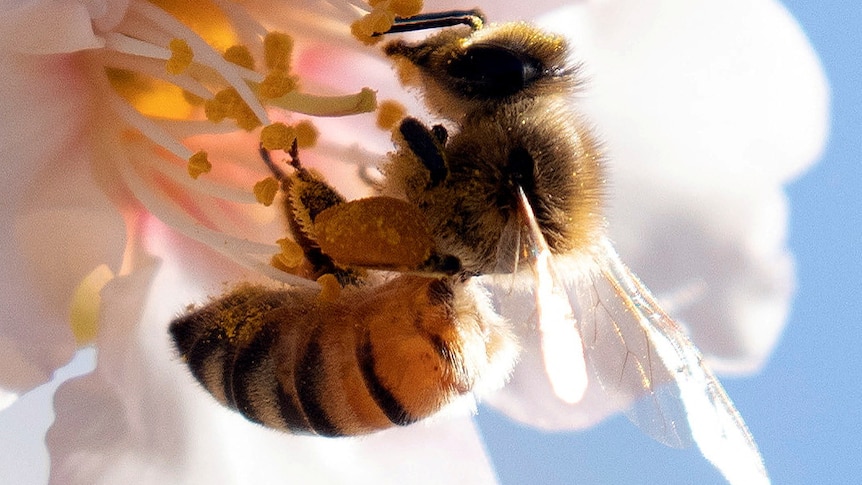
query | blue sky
[804, 408]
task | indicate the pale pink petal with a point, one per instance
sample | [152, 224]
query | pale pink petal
[58, 223]
[706, 109]
[46, 27]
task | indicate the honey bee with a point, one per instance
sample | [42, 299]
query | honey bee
[513, 186]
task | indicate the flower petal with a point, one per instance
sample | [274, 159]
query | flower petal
[59, 224]
[696, 200]
[47, 27]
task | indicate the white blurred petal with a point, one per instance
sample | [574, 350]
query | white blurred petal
[706, 109]
[58, 223]
[46, 27]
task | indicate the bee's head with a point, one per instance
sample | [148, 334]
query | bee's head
[462, 69]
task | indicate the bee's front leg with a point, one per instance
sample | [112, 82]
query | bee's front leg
[429, 147]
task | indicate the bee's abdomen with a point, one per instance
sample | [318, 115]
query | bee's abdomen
[228, 346]
[373, 359]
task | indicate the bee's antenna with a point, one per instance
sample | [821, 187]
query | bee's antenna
[276, 171]
[294, 155]
[267, 159]
[474, 18]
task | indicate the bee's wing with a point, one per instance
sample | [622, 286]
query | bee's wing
[562, 346]
[645, 363]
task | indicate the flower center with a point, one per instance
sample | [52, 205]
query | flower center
[184, 75]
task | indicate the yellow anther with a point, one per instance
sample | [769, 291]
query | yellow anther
[277, 48]
[84, 310]
[277, 136]
[306, 134]
[376, 22]
[405, 8]
[222, 105]
[362, 31]
[193, 99]
[276, 84]
[329, 288]
[181, 56]
[389, 113]
[290, 257]
[380, 20]
[228, 104]
[246, 119]
[198, 164]
[265, 190]
[239, 55]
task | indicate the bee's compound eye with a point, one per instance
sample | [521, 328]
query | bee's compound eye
[490, 71]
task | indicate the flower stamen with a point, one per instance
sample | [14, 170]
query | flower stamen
[210, 86]
[181, 56]
[199, 164]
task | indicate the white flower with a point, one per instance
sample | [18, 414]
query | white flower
[707, 109]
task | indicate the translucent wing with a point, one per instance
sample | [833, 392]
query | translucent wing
[562, 346]
[646, 364]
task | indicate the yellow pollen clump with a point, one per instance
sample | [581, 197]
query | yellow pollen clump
[381, 20]
[193, 99]
[375, 22]
[389, 113]
[361, 31]
[276, 84]
[239, 55]
[181, 57]
[198, 164]
[290, 257]
[277, 48]
[306, 134]
[329, 288]
[227, 103]
[265, 190]
[84, 310]
[401, 8]
[277, 136]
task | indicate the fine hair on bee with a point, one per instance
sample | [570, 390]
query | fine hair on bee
[375, 356]
[506, 88]
[383, 354]
[510, 182]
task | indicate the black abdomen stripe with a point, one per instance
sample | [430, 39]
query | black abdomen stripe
[257, 390]
[386, 401]
[310, 388]
[251, 377]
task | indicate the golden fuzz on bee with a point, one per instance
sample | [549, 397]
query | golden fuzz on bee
[390, 351]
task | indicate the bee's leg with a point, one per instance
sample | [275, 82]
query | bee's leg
[428, 146]
[440, 133]
[307, 195]
[441, 264]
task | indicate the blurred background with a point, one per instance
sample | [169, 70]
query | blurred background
[804, 407]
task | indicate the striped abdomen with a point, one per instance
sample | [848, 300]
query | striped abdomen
[375, 357]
